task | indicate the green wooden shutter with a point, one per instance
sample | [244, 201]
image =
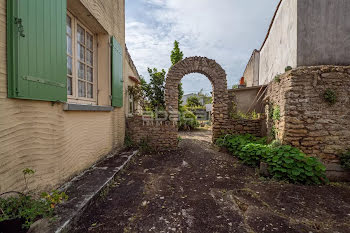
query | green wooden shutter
[117, 74]
[36, 55]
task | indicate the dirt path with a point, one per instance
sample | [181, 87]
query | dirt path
[198, 189]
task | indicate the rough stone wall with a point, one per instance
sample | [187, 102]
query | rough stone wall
[244, 126]
[158, 135]
[307, 120]
[216, 76]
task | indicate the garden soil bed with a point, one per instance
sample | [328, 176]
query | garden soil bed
[199, 189]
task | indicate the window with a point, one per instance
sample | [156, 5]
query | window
[81, 80]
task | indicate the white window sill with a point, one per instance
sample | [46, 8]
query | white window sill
[87, 107]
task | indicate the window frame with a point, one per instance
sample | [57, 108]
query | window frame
[75, 86]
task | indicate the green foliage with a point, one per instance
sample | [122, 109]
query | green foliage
[330, 96]
[175, 57]
[128, 143]
[154, 90]
[144, 146]
[207, 99]
[345, 160]
[276, 114]
[24, 207]
[288, 68]
[54, 198]
[176, 53]
[193, 101]
[277, 78]
[248, 116]
[28, 171]
[181, 94]
[274, 132]
[235, 86]
[179, 139]
[188, 121]
[285, 162]
[28, 208]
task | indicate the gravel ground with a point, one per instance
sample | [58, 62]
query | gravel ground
[199, 189]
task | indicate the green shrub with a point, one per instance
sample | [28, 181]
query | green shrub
[288, 68]
[277, 78]
[188, 121]
[24, 206]
[345, 160]
[285, 162]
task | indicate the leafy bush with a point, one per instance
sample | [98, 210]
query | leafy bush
[288, 68]
[24, 206]
[345, 160]
[277, 78]
[285, 162]
[30, 209]
[188, 121]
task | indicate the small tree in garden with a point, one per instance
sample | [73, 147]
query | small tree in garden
[176, 56]
[154, 90]
[193, 101]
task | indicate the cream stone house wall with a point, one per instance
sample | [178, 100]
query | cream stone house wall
[52, 138]
[132, 78]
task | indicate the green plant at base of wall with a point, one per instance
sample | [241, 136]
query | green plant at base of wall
[277, 78]
[330, 96]
[285, 162]
[345, 160]
[288, 68]
[24, 206]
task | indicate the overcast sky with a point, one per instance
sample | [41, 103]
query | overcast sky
[224, 30]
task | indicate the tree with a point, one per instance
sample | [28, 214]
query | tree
[207, 99]
[193, 101]
[155, 89]
[175, 57]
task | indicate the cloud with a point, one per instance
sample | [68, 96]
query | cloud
[224, 30]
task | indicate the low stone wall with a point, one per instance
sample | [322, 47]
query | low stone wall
[307, 121]
[245, 126]
[160, 135]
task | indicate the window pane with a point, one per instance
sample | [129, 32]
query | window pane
[89, 74]
[81, 34]
[81, 89]
[69, 86]
[81, 52]
[69, 45]
[90, 90]
[89, 58]
[69, 65]
[81, 70]
[69, 25]
[89, 41]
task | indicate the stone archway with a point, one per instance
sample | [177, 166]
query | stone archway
[216, 75]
